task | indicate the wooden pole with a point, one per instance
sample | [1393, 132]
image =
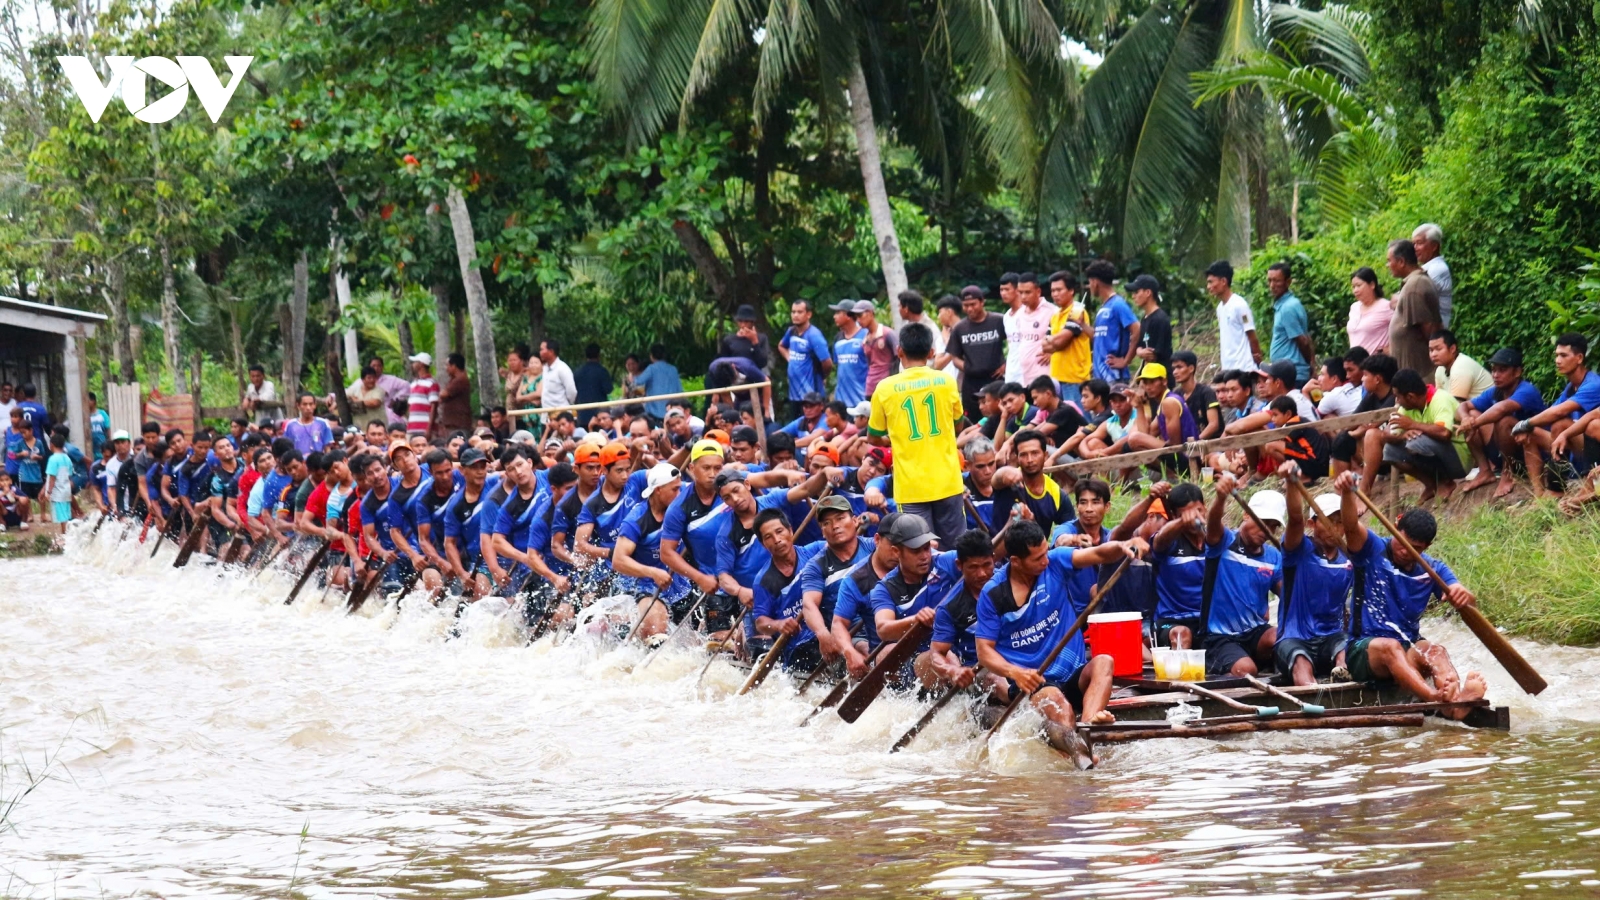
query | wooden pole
[653, 398]
[757, 409]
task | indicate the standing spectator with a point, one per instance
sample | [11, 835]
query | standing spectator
[1426, 240]
[559, 387]
[914, 310]
[660, 377]
[1236, 324]
[261, 401]
[455, 396]
[38, 415]
[309, 433]
[1027, 329]
[850, 385]
[25, 454]
[976, 347]
[422, 404]
[805, 351]
[1291, 327]
[368, 402]
[1116, 328]
[593, 381]
[8, 401]
[631, 367]
[1155, 329]
[1416, 309]
[99, 425]
[880, 345]
[1368, 327]
[1008, 299]
[1457, 372]
[1069, 339]
[915, 415]
[522, 382]
[58, 480]
[394, 388]
[746, 341]
[947, 312]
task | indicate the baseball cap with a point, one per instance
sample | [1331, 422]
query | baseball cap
[1509, 357]
[1144, 282]
[586, 453]
[522, 436]
[121, 434]
[1328, 504]
[745, 313]
[674, 412]
[833, 503]
[703, 448]
[1152, 371]
[864, 408]
[1157, 508]
[1270, 506]
[811, 398]
[472, 456]
[613, 453]
[1120, 387]
[825, 449]
[910, 531]
[425, 358]
[744, 434]
[661, 475]
[1281, 369]
[729, 475]
[864, 306]
[883, 455]
[973, 291]
[845, 306]
[718, 435]
[395, 447]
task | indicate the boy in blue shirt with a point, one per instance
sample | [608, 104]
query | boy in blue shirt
[952, 656]
[58, 480]
[1314, 582]
[1395, 590]
[1240, 568]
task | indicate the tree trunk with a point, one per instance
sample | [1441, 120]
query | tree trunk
[169, 321]
[441, 319]
[707, 265]
[239, 370]
[294, 335]
[477, 301]
[867, 152]
[330, 347]
[121, 325]
[197, 380]
[402, 330]
[536, 323]
[458, 340]
[1233, 203]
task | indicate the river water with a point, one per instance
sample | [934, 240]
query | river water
[192, 736]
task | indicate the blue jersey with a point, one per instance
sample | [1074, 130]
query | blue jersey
[852, 604]
[606, 516]
[399, 512]
[738, 552]
[517, 516]
[983, 505]
[539, 537]
[1111, 324]
[695, 525]
[427, 508]
[1314, 591]
[904, 599]
[225, 484]
[802, 426]
[1586, 395]
[953, 624]
[461, 523]
[825, 573]
[642, 528]
[807, 353]
[1529, 401]
[1239, 588]
[777, 596]
[273, 485]
[1392, 601]
[193, 480]
[850, 369]
[1024, 635]
[1180, 580]
[381, 514]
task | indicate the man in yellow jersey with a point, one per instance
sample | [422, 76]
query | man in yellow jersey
[914, 413]
[1070, 338]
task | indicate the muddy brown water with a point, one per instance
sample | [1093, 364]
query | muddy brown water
[197, 738]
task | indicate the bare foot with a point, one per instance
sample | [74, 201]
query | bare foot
[1103, 717]
[1472, 689]
[1506, 487]
[1425, 497]
[1478, 482]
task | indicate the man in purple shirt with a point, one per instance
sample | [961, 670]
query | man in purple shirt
[879, 344]
[309, 433]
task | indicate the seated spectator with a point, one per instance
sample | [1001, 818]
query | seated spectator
[1488, 418]
[1457, 372]
[1421, 440]
[1353, 358]
[1340, 396]
[1566, 423]
[1057, 419]
[1307, 447]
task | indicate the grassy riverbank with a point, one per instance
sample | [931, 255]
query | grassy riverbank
[33, 542]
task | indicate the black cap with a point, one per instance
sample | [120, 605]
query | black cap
[812, 397]
[730, 474]
[1509, 357]
[1144, 282]
[744, 434]
[972, 291]
[471, 456]
[1281, 369]
[745, 313]
[910, 531]
[845, 306]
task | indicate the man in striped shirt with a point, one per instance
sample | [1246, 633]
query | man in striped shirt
[422, 407]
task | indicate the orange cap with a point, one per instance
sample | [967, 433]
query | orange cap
[823, 448]
[1157, 508]
[718, 435]
[586, 453]
[614, 453]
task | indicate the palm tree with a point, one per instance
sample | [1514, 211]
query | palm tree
[654, 59]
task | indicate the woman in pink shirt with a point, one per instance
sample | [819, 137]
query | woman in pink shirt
[1370, 314]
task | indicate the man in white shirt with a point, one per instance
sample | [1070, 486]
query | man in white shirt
[914, 309]
[1027, 329]
[559, 387]
[8, 401]
[1236, 325]
[1340, 397]
[1427, 240]
[261, 398]
[1008, 297]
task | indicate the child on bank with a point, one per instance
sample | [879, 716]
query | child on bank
[58, 480]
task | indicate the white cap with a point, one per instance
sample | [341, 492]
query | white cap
[522, 436]
[424, 358]
[1328, 504]
[1270, 506]
[661, 474]
[121, 434]
[864, 408]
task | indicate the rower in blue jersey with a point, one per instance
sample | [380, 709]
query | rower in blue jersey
[193, 476]
[907, 597]
[979, 482]
[426, 511]
[689, 531]
[461, 531]
[495, 494]
[561, 482]
[777, 603]
[564, 521]
[952, 656]
[821, 578]
[1179, 554]
[1027, 610]
[1240, 569]
[1394, 593]
[600, 520]
[514, 524]
[853, 611]
[1027, 484]
[1314, 581]
[740, 557]
[371, 474]
[394, 515]
[1135, 590]
[663, 595]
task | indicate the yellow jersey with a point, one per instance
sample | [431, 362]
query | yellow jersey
[918, 409]
[1071, 365]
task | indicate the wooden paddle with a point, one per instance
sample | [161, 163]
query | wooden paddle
[837, 694]
[97, 525]
[1224, 699]
[359, 595]
[854, 630]
[231, 551]
[759, 673]
[927, 717]
[193, 541]
[1518, 668]
[1077, 626]
[1310, 709]
[311, 567]
[812, 514]
[272, 557]
[872, 684]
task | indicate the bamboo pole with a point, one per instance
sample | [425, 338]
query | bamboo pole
[653, 398]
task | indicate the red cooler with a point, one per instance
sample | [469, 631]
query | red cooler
[1119, 635]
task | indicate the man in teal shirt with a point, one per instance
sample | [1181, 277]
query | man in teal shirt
[1291, 328]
